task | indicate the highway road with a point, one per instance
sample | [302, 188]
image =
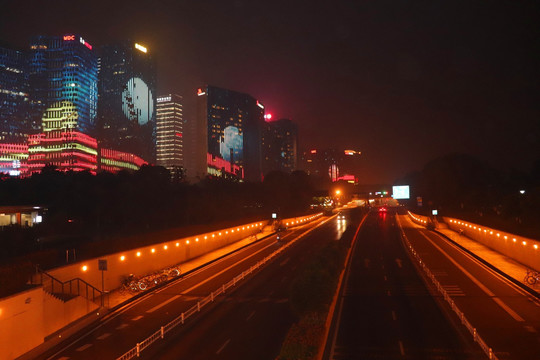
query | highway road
[119, 332]
[505, 316]
[252, 322]
[386, 310]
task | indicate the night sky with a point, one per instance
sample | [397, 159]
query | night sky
[402, 81]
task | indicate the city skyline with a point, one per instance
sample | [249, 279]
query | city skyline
[403, 83]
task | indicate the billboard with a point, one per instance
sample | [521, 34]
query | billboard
[400, 192]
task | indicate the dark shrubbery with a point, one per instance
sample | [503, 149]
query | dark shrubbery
[310, 296]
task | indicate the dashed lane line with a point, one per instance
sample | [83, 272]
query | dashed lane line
[162, 304]
[223, 346]
[104, 336]
[84, 347]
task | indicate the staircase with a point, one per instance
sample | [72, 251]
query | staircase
[66, 290]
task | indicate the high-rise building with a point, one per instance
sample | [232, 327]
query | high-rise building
[280, 143]
[228, 128]
[127, 95]
[170, 133]
[62, 74]
[334, 163]
[14, 98]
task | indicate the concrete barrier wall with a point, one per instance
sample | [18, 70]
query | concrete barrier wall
[418, 219]
[21, 323]
[148, 259]
[521, 249]
[300, 220]
[58, 313]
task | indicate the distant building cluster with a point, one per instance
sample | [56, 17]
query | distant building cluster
[79, 107]
[335, 163]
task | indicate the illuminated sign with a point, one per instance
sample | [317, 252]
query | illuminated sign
[352, 152]
[313, 151]
[140, 48]
[179, 134]
[260, 105]
[163, 99]
[400, 192]
[200, 92]
[69, 37]
[81, 40]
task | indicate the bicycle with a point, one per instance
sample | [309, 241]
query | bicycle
[532, 277]
[129, 284]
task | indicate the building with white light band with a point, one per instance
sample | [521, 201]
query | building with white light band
[170, 133]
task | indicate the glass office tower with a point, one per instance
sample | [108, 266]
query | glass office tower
[63, 70]
[127, 96]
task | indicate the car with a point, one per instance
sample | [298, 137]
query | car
[341, 216]
[382, 209]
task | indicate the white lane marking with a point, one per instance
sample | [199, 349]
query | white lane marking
[499, 302]
[366, 263]
[84, 347]
[122, 326]
[63, 358]
[394, 315]
[224, 270]
[104, 336]
[223, 347]
[398, 262]
[137, 318]
[162, 304]
[250, 315]
[401, 350]
[388, 292]
[385, 278]
[530, 329]
[285, 261]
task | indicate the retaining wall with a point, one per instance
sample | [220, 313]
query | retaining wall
[519, 248]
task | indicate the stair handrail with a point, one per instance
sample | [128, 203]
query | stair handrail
[73, 290]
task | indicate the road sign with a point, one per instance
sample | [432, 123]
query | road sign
[102, 264]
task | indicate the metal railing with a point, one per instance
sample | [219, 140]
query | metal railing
[66, 289]
[160, 334]
[487, 350]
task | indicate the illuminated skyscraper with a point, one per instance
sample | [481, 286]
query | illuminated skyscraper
[170, 133]
[227, 135]
[280, 143]
[127, 94]
[13, 96]
[62, 73]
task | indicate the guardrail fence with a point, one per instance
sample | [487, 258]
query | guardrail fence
[487, 350]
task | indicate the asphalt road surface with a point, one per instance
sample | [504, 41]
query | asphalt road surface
[387, 311]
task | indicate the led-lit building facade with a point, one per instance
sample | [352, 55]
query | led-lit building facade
[228, 127]
[63, 69]
[127, 99]
[67, 150]
[114, 161]
[170, 133]
[14, 98]
[13, 159]
[280, 143]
